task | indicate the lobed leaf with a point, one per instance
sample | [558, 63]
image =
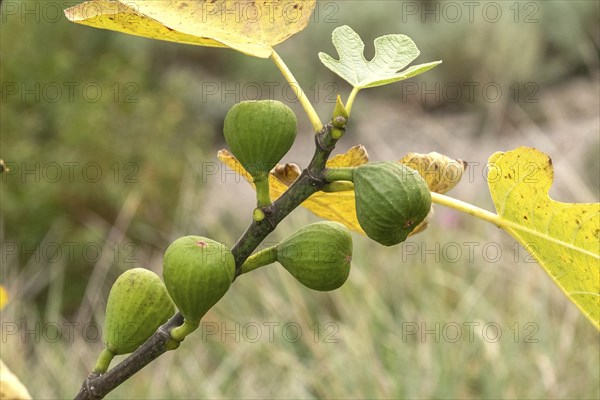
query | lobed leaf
[563, 237]
[392, 54]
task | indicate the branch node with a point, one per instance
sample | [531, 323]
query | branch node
[322, 134]
[89, 386]
[313, 180]
[268, 212]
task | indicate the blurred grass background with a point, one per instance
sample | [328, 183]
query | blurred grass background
[102, 181]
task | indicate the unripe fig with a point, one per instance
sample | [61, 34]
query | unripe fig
[391, 200]
[138, 303]
[198, 272]
[318, 255]
[259, 133]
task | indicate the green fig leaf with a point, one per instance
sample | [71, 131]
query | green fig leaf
[392, 54]
[563, 237]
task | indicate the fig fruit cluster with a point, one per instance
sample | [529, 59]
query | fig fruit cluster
[391, 199]
[197, 272]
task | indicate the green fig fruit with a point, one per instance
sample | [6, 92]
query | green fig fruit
[259, 133]
[391, 200]
[318, 255]
[138, 303]
[198, 272]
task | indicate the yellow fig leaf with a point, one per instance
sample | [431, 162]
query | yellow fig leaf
[354, 157]
[252, 27]
[3, 297]
[425, 223]
[440, 172]
[563, 237]
[228, 159]
[276, 187]
[10, 386]
[338, 206]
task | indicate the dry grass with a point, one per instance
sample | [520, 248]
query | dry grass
[391, 331]
[413, 321]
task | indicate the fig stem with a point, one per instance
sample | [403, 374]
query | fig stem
[263, 194]
[259, 259]
[179, 333]
[258, 215]
[96, 386]
[306, 104]
[340, 174]
[103, 361]
[338, 186]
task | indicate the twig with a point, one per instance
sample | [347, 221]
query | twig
[310, 181]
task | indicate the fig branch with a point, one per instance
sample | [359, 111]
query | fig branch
[96, 385]
[309, 182]
[312, 179]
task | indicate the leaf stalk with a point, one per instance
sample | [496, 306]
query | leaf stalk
[306, 104]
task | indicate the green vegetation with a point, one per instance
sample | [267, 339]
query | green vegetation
[148, 165]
